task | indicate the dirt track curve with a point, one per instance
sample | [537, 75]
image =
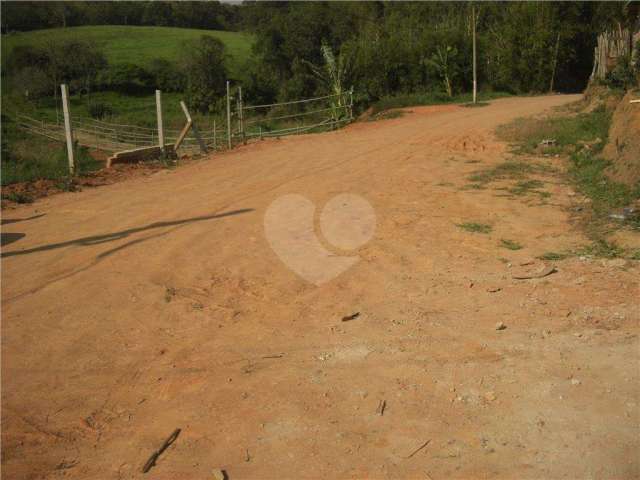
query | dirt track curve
[156, 303]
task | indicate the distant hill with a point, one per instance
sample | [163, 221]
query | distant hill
[137, 45]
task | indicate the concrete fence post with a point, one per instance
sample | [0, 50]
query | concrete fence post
[160, 124]
[228, 116]
[67, 127]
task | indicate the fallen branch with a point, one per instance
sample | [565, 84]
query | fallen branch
[152, 459]
[351, 317]
[418, 449]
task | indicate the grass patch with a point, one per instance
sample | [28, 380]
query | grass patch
[475, 227]
[567, 131]
[510, 244]
[581, 137]
[386, 115]
[526, 187]
[554, 256]
[476, 105]
[512, 170]
[428, 98]
[18, 197]
[507, 170]
[136, 45]
[602, 248]
[27, 157]
[599, 248]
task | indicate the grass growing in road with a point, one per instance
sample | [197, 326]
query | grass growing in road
[510, 244]
[580, 138]
[554, 256]
[526, 187]
[567, 131]
[429, 98]
[476, 227]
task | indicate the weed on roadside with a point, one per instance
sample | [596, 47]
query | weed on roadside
[386, 115]
[510, 244]
[581, 137]
[550, 256]
[18, 197]
[475, 227]
[602, 248]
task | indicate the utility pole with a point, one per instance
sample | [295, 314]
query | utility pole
[475, 77]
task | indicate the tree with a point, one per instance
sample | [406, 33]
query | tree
[206, 73]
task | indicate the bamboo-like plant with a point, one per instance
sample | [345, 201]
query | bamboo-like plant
[332, 75]
[442, 61]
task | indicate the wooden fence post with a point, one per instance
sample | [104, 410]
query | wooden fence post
[228, 116]
[196, 133]
[215, 144]
[160, 124]
[67, 127]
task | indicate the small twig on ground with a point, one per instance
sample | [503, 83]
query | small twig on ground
[381, 406]
[418, 449]
[351, 317]
[152, 459]
[279, 355]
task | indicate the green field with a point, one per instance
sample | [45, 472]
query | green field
[137, 45]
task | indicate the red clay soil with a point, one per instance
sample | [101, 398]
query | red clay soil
[623, 146]
[157, 303]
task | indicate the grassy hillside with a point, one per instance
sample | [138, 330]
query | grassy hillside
[137, 45]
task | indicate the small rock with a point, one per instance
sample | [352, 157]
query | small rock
[490, 396]
[500, 326]
[575, 381]
[218, 474]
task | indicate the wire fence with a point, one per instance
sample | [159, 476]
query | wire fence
[294, 117]
[248, 123]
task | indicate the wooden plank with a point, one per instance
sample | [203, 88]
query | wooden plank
[137, 154]
[196, 132]
[183, 134]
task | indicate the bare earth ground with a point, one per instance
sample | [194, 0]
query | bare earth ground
[151, 304]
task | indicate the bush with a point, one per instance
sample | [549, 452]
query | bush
[32, 82]
[126, 78]
[166, 75]
[624, 74]
[26, 56]
[206, 73]
[99, 110]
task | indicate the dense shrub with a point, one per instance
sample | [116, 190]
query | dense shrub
[126, 78]
[206, 73]
[99, 110]
[624, 74]
[167, 76]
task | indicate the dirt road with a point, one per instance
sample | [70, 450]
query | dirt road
[158, 303]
